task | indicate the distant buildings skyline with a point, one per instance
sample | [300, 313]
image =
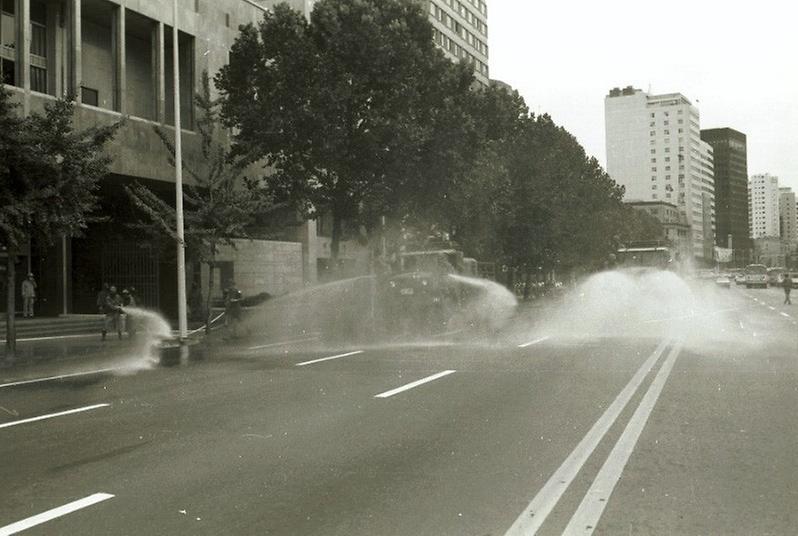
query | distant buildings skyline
[654, 149]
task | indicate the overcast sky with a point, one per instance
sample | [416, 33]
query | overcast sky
[736, 61]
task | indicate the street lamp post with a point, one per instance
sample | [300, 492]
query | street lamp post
[182, 320]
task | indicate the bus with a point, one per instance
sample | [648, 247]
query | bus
[650, 257]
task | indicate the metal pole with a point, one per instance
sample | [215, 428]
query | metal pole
[182, 320]
[64, 275]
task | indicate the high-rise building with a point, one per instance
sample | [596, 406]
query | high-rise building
[731, 188]
[763, 203]
[461, 31]
[788, 219]
[654, 149]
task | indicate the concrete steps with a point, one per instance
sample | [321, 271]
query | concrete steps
[28, 328]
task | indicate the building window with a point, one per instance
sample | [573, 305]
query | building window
[653, 133]
[652, 114]
[666, 123]
[227, 19]
[653, 160]
[652, 124]
[8, 42]
[653, 177]
[654, 168]
[89, 96]
[667, 158]
[38, 79]
[667, 149]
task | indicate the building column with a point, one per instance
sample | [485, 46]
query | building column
[75, 50]
[23, 52]
[55, 49]
[158, 74]
[120, 69]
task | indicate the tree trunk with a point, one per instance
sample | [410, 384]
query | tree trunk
[335, 240]
[208, 299]
[11, 330]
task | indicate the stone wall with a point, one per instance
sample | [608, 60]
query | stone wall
[261, 266]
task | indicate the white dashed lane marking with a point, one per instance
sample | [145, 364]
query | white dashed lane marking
[49, 515]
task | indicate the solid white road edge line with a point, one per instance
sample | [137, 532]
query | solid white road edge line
[49, 515]
[530, 343]
[533, 517]
[59, 377]
[284, 343]
[416, 383]
[53, 415]
[338, 356]
[586, 518]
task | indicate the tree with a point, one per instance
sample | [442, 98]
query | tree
[347, 109]
[49, 176]
[219, 207]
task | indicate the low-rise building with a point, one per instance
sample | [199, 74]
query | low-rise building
[675, 228]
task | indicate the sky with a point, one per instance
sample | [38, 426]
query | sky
[736, 61]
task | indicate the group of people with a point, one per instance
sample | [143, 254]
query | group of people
[112, 304]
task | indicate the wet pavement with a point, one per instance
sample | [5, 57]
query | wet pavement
[547, 432]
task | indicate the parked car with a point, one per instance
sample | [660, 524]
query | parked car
[723, 280]
[739, 279]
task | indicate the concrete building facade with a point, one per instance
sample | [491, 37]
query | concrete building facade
[731, 189]
[461, 31]
[654, 149]
[763, 202]
[115, 56]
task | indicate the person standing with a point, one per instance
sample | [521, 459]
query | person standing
[128, 322]
[28, 296]
[787, 284]
[101, 298]
[113, 312]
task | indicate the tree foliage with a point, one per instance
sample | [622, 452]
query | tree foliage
[220, 203]
[49, 177]
[351, 109]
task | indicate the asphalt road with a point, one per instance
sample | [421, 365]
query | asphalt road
[684, 424]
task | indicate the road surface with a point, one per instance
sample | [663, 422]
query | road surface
[670, 431]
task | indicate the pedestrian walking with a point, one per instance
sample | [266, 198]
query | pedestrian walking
[113, 312]
[787, 284]
[28, 296]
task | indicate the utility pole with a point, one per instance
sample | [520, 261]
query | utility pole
[182, 321]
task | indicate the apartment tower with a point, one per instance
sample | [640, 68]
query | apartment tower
[461, 31]
[763, 202]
